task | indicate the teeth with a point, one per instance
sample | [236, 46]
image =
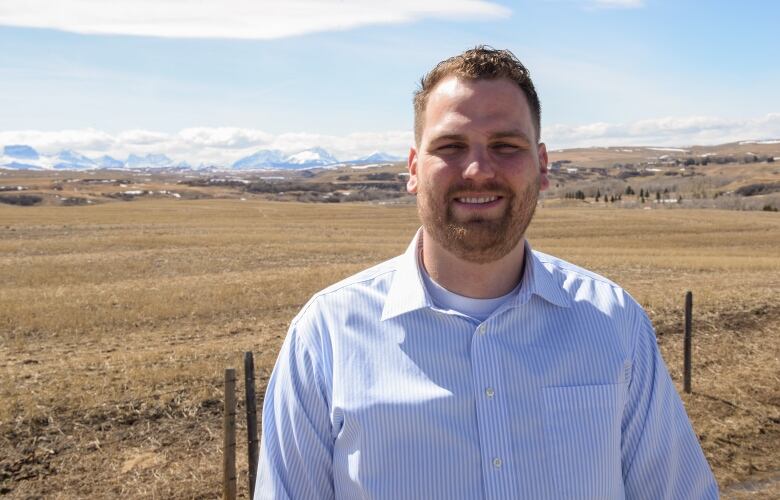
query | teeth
[484, 199]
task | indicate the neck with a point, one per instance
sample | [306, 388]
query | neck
[469, 279]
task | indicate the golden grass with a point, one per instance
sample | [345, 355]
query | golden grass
[117, 320]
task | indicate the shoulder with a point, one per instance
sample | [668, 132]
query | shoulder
[600, 310]
[590, 293]
[315, 328]
[372, 277]
[364, 289]
[572, 272]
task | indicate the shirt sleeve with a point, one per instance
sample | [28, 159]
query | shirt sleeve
[296, 449]
[662, 458]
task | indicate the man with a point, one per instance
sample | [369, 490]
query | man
[472, 367]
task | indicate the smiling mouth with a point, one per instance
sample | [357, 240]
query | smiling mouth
[477, 200]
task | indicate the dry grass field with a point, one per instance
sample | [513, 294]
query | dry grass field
[118, 319]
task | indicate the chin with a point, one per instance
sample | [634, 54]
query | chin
[480, 242]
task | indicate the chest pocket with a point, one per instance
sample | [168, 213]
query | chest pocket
[582, 439]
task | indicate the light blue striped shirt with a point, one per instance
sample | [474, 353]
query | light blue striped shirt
[560, 393]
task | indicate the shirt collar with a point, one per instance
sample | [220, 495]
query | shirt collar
[407, 292]
[542, 279]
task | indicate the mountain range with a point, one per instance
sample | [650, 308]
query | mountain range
[24, 157]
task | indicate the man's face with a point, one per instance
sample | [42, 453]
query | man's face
[478, 169]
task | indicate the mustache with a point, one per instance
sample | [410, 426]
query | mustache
[492, 186]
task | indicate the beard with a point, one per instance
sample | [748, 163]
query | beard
[478, 239]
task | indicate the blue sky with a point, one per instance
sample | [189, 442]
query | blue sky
[121, 76]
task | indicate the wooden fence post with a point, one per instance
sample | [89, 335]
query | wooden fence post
[229, 443]
[251, 419]
[687, 348]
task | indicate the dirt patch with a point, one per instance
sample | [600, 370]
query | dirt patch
[140, 461]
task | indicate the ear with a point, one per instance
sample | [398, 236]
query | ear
[543, 159]
[411, 165]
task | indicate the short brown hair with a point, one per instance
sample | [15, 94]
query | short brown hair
[481, 62]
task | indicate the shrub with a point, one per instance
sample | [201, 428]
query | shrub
[382, 176]
[24, 200]
[760, 188]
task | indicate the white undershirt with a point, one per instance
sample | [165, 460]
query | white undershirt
[479, 309]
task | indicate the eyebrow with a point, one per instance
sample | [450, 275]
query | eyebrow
[449, 137]
[513, 133]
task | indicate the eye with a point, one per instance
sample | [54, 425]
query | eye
[449, 148]
[505, 148]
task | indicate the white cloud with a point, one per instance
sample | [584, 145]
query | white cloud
[52, 142]
[225, 137]
[667, 131]
[225, 145]
[248, 19]
[141, 138]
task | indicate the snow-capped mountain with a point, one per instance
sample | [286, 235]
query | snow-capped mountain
[312, 157]
[25, 157]
[154, 161]
[22, 157]
[106, 161]
[375, 157]
[21, 152]
[265, 158]
[272, 158]
[18, 165]
[71, 160]
[151, 160]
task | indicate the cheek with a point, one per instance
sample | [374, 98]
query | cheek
[430, 177]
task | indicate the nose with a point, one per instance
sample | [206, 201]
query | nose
[478, 166]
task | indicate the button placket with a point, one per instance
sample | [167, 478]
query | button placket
[492, 426]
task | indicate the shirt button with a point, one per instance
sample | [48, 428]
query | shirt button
[497, 463]
[481, 330]
[489, 392]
